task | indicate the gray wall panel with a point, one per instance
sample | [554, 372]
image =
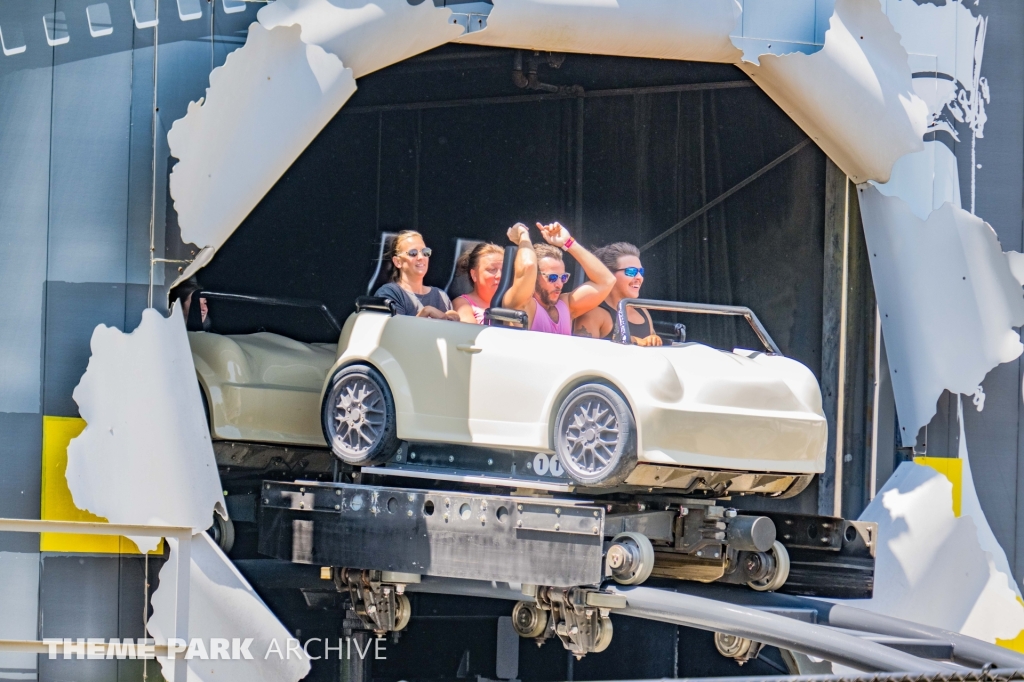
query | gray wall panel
[78, 597]
[72, 312]
[89, 169]
[19, 592]
[21, 437]
[993, 436]
[24, 170]
[992, 446]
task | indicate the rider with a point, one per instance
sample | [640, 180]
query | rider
[483, 266]
[549, 310]
[623, 259]
[410, 259]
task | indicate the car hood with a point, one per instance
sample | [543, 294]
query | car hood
[743, 379]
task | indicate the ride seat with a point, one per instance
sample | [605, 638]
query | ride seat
[460, 284]
[381, 274]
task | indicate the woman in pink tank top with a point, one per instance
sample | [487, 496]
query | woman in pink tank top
[482, 265]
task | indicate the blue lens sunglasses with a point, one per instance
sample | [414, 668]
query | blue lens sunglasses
[631, 272]
[554, 278]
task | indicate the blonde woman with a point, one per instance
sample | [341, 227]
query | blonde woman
[483, 263]
[410, 259]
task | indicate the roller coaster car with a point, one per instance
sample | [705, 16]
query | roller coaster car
[682, 416]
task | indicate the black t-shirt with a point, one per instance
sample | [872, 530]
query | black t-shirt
[410, 304]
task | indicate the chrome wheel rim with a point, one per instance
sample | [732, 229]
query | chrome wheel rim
[358, 415]
[591, 436]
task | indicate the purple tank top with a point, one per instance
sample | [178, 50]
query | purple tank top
[542, 321]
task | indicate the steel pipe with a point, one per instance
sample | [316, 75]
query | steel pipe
[709, 614]
[769, 628]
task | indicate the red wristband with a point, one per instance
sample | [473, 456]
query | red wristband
[568, 244]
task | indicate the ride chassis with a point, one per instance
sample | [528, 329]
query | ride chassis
[389, 527]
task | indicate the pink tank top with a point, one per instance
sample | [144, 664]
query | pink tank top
[542, 321]
[478, 312]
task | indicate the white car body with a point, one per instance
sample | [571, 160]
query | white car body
[694, 406]
[738, 421]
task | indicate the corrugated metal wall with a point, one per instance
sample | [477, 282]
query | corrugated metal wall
[76, 187]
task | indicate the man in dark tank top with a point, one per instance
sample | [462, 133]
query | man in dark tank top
[623, 259]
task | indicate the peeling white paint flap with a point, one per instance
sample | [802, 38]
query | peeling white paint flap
[223, 605]
[145, 456]
[930, 566]
[925, 180]
[694, 30]
[854, 97]
[938, 38]
[947, 298]
[366, 36]
[263, 107]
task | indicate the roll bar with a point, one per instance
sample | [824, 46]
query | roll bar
[276, 301]
[705, 308]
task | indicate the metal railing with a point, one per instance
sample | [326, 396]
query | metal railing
[702, 308]
[308, 303]
[183, 558]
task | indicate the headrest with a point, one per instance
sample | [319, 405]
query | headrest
[382, 273]
[459, 284]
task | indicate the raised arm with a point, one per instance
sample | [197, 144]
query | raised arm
[588, 295]
[525, 281]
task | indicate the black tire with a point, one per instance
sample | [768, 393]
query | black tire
[358, 416]
[223, 532]
[595, 436]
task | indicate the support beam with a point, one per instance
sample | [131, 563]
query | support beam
[833, 331]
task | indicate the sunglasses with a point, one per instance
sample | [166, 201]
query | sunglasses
[554, 278]
[632, 272]
[412, 253]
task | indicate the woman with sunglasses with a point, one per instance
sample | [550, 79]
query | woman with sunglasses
[482, 265]
[410, 259]
[623, 259]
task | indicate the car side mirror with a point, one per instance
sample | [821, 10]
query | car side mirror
[377, 304]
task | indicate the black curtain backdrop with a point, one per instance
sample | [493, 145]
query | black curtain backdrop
[630, 161]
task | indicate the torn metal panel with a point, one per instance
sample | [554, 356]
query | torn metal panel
[947, 299]
[944, 44]
[366, 36]
[201, 260]
[854, 97]
[145, 456]
[932, 567]
[925, 180]
[263, 107]
[222, 604]
[695, 30]
[779, 27]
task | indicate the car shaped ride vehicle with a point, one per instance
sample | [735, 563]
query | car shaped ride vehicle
[683, 416]
[612, 413]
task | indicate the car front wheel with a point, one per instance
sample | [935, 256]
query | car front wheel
[595, 436]
[359, 416]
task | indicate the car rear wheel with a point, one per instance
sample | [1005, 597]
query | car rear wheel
[595, 436]
[359, 416]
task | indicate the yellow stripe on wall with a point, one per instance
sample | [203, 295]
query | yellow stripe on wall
[953, 469]
[57, 504]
